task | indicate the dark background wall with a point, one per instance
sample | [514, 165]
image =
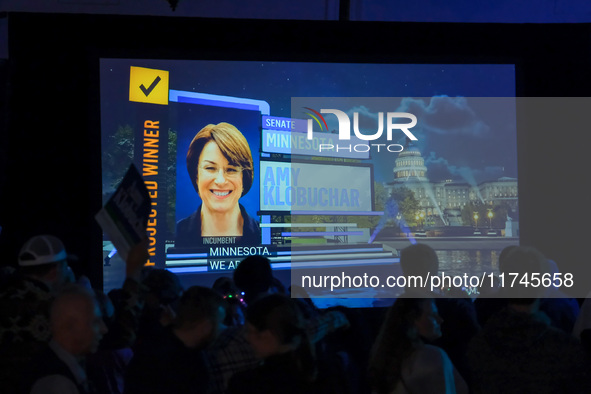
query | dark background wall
[524, 11]
[50, 144]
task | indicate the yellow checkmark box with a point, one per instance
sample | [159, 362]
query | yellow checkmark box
[148, 85]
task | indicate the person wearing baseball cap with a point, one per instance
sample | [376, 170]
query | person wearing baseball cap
[44, 257]
[25, 305]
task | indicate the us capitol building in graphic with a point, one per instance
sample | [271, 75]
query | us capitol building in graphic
[443, 201]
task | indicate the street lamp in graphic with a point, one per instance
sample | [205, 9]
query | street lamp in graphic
[420, 217]
[476, 219]
[490, 216]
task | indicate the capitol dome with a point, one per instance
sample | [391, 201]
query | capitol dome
[410, 165]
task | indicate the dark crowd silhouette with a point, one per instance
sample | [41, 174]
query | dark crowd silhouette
[249, 334]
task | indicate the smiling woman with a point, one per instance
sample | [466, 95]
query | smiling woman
[219, 163]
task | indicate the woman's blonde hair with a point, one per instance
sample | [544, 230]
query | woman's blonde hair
[395, 342]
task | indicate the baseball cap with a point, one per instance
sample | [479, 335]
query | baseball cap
[42, 249]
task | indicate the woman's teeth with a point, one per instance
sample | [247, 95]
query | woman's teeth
[221, 194]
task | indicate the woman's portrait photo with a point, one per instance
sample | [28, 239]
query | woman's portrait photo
[220, 166]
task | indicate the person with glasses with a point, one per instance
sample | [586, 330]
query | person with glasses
[220, 165]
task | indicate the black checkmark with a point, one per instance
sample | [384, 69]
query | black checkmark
[152, 86]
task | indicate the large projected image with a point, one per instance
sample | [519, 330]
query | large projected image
[247, 157]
